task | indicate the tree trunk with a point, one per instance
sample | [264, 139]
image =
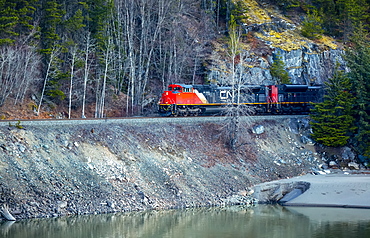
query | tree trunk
[51, 59]
[74, 53]
[88, 45]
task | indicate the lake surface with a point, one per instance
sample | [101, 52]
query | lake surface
[270, 221]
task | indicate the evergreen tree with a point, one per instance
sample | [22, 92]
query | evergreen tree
[285, 5]
[352, 13]
[311, 26]
[8, 20]
[15, 19]
[52, 18]
[74, 25]
[239, 11]
[358, 58]
[51, 47]
[278, 71]
[333, 121]
[342, 16]
[99, 13]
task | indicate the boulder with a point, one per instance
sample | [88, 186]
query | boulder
[353, 165]
[333, 165]
[279, 192]
[306, 140]
[347, 154]
[259, 129]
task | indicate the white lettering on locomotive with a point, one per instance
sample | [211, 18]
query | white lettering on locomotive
[224, 94]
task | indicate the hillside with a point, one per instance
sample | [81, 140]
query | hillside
[96, 59]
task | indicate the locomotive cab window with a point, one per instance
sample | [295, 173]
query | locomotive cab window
[169, 88]
[187, 90]
[177, 89]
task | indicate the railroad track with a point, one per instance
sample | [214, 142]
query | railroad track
[137, 120]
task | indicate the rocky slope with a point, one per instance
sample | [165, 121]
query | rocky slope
[107, 166]
[268, 34]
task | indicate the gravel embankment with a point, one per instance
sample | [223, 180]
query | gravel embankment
[82, 167]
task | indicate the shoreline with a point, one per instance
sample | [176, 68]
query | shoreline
[345, 190]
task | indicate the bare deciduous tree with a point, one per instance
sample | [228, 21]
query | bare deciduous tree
[107, 72]
[74, 54]
[29, 72]
[18, 70]
[49, 70]
[89, 47]
[240, 93]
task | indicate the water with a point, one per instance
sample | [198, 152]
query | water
[261, 221]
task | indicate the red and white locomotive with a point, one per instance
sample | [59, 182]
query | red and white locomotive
[193, 100]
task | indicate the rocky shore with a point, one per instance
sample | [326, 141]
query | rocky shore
[50, 170]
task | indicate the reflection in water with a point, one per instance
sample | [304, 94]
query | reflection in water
[238, 221]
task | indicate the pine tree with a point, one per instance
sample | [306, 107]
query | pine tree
[333, 121]
[52, 18]
[278, 71]
[98, 18]
[342, 16]
[311, 26]
[8, 20]
[74, 25]
[239, 11]
[358, 58]
[15, 19]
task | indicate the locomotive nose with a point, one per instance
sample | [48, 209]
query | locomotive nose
[165, 98]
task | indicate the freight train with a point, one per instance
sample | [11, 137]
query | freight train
[194, 100]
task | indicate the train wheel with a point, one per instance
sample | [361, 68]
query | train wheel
[197, 112]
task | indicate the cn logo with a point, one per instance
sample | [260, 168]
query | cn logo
[224, 94]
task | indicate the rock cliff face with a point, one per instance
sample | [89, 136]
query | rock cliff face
[268, 35]
[307, 65]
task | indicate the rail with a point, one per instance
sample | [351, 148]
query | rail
[136, 120]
